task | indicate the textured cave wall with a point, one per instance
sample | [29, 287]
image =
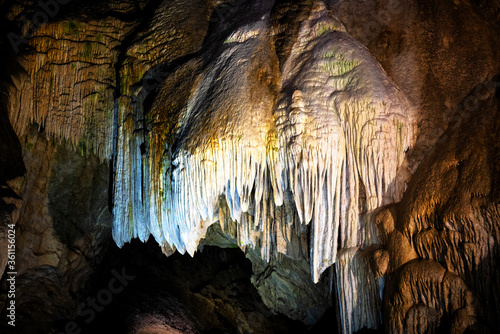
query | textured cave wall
[11, 162]
[62, 224]
[449, 218]
[103, 89]
[436, 52]
[444, 57]
[62, 218]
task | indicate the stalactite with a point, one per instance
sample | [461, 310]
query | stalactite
[314, 151]
[321, 162]
[71, 83]
[211, 159]
[342, 135]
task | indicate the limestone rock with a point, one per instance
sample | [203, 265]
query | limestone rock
[349, 148]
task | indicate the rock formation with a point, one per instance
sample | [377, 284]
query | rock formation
[349, 149]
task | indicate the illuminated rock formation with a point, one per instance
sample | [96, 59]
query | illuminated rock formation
[287, 129]
[337, 135]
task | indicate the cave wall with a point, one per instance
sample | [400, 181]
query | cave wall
[104, 99]
[449, 217]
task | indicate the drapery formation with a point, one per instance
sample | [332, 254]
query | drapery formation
[313, 149]
[311, 146]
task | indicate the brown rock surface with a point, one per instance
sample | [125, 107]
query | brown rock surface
[450, 215]
[101, 78]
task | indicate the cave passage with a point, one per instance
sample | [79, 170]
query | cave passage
[150, 293]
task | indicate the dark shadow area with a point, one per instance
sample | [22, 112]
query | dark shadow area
[11, 161]
[139, 289]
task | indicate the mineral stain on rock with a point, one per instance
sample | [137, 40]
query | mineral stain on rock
[343, 154]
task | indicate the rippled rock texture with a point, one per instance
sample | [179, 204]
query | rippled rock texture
[348, 148]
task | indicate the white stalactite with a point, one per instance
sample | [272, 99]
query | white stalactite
[326, 157]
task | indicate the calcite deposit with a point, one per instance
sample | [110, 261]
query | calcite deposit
[348, 148]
